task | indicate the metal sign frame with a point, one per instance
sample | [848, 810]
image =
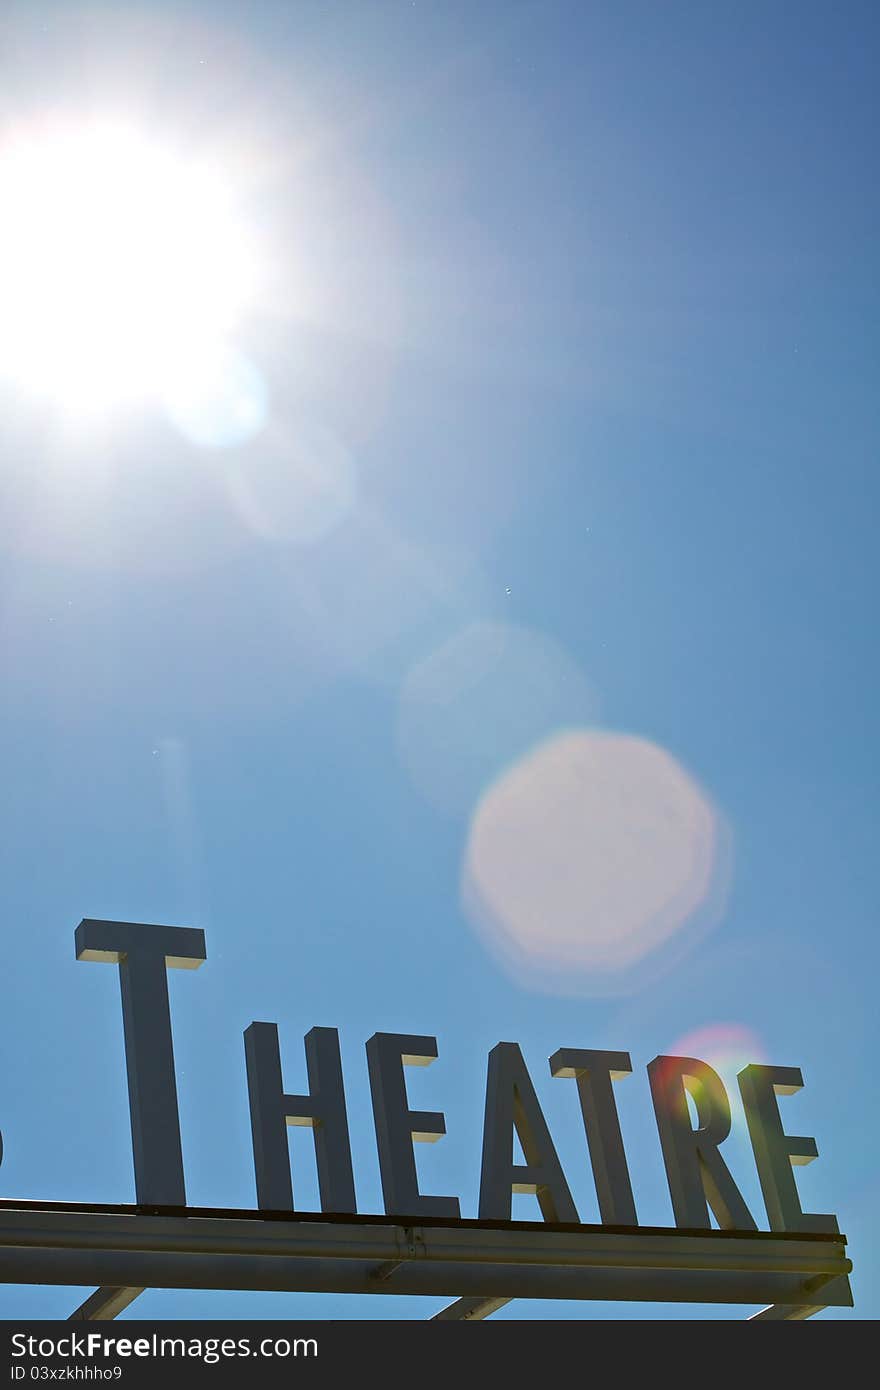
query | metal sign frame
[482, 1264]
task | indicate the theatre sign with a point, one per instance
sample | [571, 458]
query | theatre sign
[422, 1245]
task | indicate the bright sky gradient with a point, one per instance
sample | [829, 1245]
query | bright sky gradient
[487, 647]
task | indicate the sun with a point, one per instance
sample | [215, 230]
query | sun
[123, 267]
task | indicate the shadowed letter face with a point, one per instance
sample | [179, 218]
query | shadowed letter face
[143, 953]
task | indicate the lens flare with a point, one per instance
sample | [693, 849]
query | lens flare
[300, 487]
[593, 854]
[472, 707]
[221, 401]
[727, 1047]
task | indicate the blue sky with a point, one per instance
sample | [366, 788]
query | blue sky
[565, 441]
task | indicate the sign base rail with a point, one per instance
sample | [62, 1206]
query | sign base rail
[124, 1250]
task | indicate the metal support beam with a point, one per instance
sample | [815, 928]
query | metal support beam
[797, 1312]
[125, 1248]
[780, 1313]
[104, 1304]
[470, 1309]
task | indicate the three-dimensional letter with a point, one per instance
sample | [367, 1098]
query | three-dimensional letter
[594, 1073]
[397, 1127]
[511, 1104]
[695, 1170]
[322, 1110]
[776, 1152]
[143, 953]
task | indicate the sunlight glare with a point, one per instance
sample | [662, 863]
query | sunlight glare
[120, 265]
